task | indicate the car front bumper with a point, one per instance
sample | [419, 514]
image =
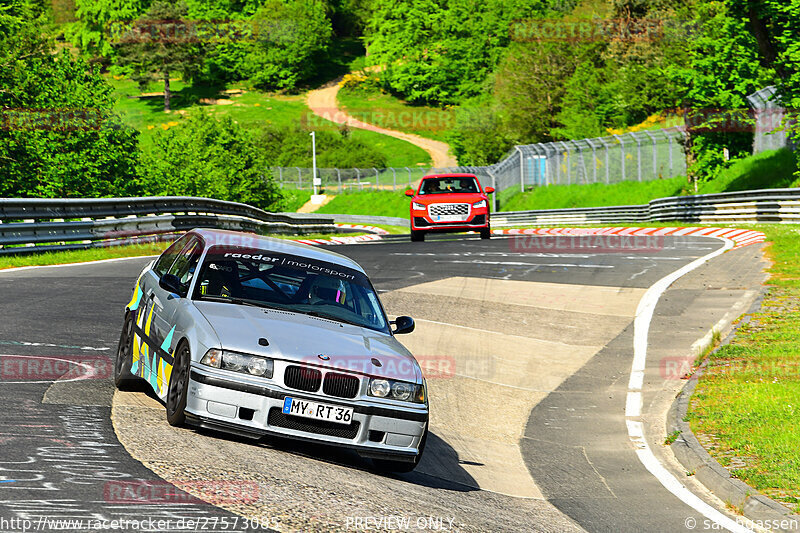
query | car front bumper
[477, 221]
[217, 401]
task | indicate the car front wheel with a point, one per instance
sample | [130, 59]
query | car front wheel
[123, 378]
[417, 236]
[178, 387]
[486, 233]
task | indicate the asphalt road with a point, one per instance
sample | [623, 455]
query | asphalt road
[571, 466]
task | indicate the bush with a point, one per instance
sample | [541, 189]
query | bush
[59, 137]
[203, 156]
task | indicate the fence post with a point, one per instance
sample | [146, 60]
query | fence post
[299, 178]
[280, 175]
[569, 170]
[638, 155]
[622, 149]
[521, 169]
[594, 160]
[339, 178]
[655, 154]
[494, 196]
[394, 179]
[377, 178]
[409, 177]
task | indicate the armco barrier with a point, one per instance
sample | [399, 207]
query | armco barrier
[35, 225]
[759, 206]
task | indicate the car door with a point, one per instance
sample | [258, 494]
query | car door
[167, 303]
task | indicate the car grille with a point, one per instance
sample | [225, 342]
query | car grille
[448, 209]
[276, 418]
[341, 385]
[302, 378]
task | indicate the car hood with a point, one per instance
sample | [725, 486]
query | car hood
[302, 338]
[446, 198]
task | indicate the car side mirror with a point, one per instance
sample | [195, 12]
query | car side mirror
[170, 283]
[489, 190]
[410, 193]
[403, 324]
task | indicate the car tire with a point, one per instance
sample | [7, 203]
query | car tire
[178, 386]
[486, 233]
[123, 378]
[402, 467]
[417, 236]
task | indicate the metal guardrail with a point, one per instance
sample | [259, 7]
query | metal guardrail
[36, 225]
[747, 207]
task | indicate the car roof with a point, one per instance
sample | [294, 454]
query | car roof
[455, 175]
[214, 237]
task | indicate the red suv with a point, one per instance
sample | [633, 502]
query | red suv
[447, 203]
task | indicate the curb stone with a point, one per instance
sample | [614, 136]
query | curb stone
[690, 453]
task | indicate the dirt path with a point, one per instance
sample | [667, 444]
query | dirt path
[322, 103]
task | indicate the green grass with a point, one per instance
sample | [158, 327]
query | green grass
[772, 169]
[252, 110]
[767, 170]
[748, 401]
[592, 195]
[81, 256]
[386, 111]
[294, 199]
[382, 203]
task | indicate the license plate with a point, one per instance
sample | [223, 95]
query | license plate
[448, 218]
[317, 411]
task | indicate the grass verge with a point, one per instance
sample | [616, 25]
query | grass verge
[376, 203]
[386, 111]
[251, 109]
[747, 403]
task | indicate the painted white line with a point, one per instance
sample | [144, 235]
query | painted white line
[62, 265]
[644, 315]
[633, 404]
[520, 263]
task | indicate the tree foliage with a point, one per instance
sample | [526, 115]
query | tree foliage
[159, 44]
[204, 156]
[59, 136]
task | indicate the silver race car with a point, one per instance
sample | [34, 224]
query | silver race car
[258, 336]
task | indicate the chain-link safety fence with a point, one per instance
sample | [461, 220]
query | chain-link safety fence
[634, 156]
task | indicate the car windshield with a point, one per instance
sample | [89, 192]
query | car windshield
[293, 283]
[448, 185]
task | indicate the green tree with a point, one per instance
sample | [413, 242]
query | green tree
[58, 134]
[442, 51]
[161, 43]
[291, 33]
[99, 23]
[723, 69]
[203, 156]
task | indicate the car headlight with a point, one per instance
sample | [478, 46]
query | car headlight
[478, 205]
[239, 362]
[396, 390]
[418, 206]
